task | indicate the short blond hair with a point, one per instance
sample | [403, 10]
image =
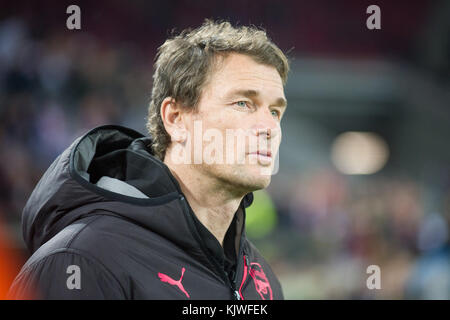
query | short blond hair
[185, 62]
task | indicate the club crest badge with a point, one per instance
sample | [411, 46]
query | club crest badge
[262, 285]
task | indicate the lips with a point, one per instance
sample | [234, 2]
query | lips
[264, 157]
[264, 153]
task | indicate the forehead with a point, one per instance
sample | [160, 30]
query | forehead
[239, 71]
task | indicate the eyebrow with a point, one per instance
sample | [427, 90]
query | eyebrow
[280, 102]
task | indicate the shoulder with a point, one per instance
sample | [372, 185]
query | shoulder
[101, 236]
[79, 251]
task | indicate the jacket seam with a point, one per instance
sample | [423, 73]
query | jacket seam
[68, 248]
[80, 253]
[79, 232]
[93, 258]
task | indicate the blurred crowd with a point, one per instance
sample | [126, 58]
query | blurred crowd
[330, 227]
[53, 90]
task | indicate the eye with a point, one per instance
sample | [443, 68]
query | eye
[242, 104]
[275, 113]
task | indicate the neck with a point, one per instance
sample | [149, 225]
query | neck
[212, 204]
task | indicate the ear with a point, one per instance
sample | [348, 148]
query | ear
[172, 117]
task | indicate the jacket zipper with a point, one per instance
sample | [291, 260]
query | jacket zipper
[223, 274]
[244, 277]
[241, 253]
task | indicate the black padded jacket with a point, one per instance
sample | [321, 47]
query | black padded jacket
[108, 220]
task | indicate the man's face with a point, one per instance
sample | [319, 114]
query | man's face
[239, 113]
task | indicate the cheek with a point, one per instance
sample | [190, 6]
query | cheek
[213, 120]
[277, 142]
[224, 120]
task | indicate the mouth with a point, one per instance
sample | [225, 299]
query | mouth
[264, 157]
[264, 153]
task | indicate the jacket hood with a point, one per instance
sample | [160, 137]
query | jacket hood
[75, 186]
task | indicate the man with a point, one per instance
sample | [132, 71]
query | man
[119, 215]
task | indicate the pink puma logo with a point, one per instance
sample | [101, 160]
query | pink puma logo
[165, 278]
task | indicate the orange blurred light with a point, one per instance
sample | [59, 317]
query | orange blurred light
[10, 263]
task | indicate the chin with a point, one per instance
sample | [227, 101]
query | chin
[253, 179]
[245, 178]
[264, 182]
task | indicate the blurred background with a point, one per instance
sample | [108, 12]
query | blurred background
[364, 174]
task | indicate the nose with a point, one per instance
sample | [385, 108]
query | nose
[268, 132]
[266, 125]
